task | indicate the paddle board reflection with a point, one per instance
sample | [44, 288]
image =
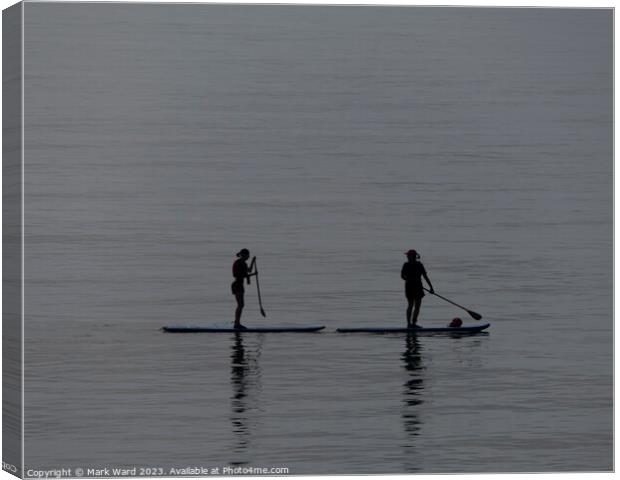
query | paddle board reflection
[245, 380]
[412, 399]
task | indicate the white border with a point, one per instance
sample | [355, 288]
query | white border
[441, 3]
[382, 3]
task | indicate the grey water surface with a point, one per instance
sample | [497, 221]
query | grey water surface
[161, 139]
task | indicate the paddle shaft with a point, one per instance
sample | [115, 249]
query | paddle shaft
[473, 314]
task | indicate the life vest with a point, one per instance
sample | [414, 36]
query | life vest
[239, 269]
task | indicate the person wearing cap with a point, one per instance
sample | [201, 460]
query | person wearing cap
[412, 273]
[241, 272]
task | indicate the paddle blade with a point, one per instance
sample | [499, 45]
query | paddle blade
[474, 315]
[262, 312]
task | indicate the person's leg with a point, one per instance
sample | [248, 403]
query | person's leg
[240, 305]
[416, 310]
[409, 310]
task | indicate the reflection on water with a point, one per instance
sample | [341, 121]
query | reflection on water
[245, 382]
[412, 399]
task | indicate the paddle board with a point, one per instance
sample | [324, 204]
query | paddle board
[463, 329]
[196, 329]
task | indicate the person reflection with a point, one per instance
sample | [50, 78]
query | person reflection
[412, 399]
[245, 383]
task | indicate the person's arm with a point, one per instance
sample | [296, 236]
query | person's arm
[249, 273]
[428, 280]
[403, 273]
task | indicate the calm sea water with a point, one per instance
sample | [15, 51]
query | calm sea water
[161, 139]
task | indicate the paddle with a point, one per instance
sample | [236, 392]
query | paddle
[474, 315]
[260, 302]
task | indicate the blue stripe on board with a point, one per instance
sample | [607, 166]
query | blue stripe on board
[192, 329]
[464, 329]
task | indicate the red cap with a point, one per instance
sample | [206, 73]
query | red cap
[411, 252]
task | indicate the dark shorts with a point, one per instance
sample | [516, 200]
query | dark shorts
[237, 288]
[413, 291]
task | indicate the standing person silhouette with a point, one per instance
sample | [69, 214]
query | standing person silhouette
[241, 272]
[412, 273]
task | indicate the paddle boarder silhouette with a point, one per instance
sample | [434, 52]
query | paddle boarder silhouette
[241, 272]
[412, 273]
